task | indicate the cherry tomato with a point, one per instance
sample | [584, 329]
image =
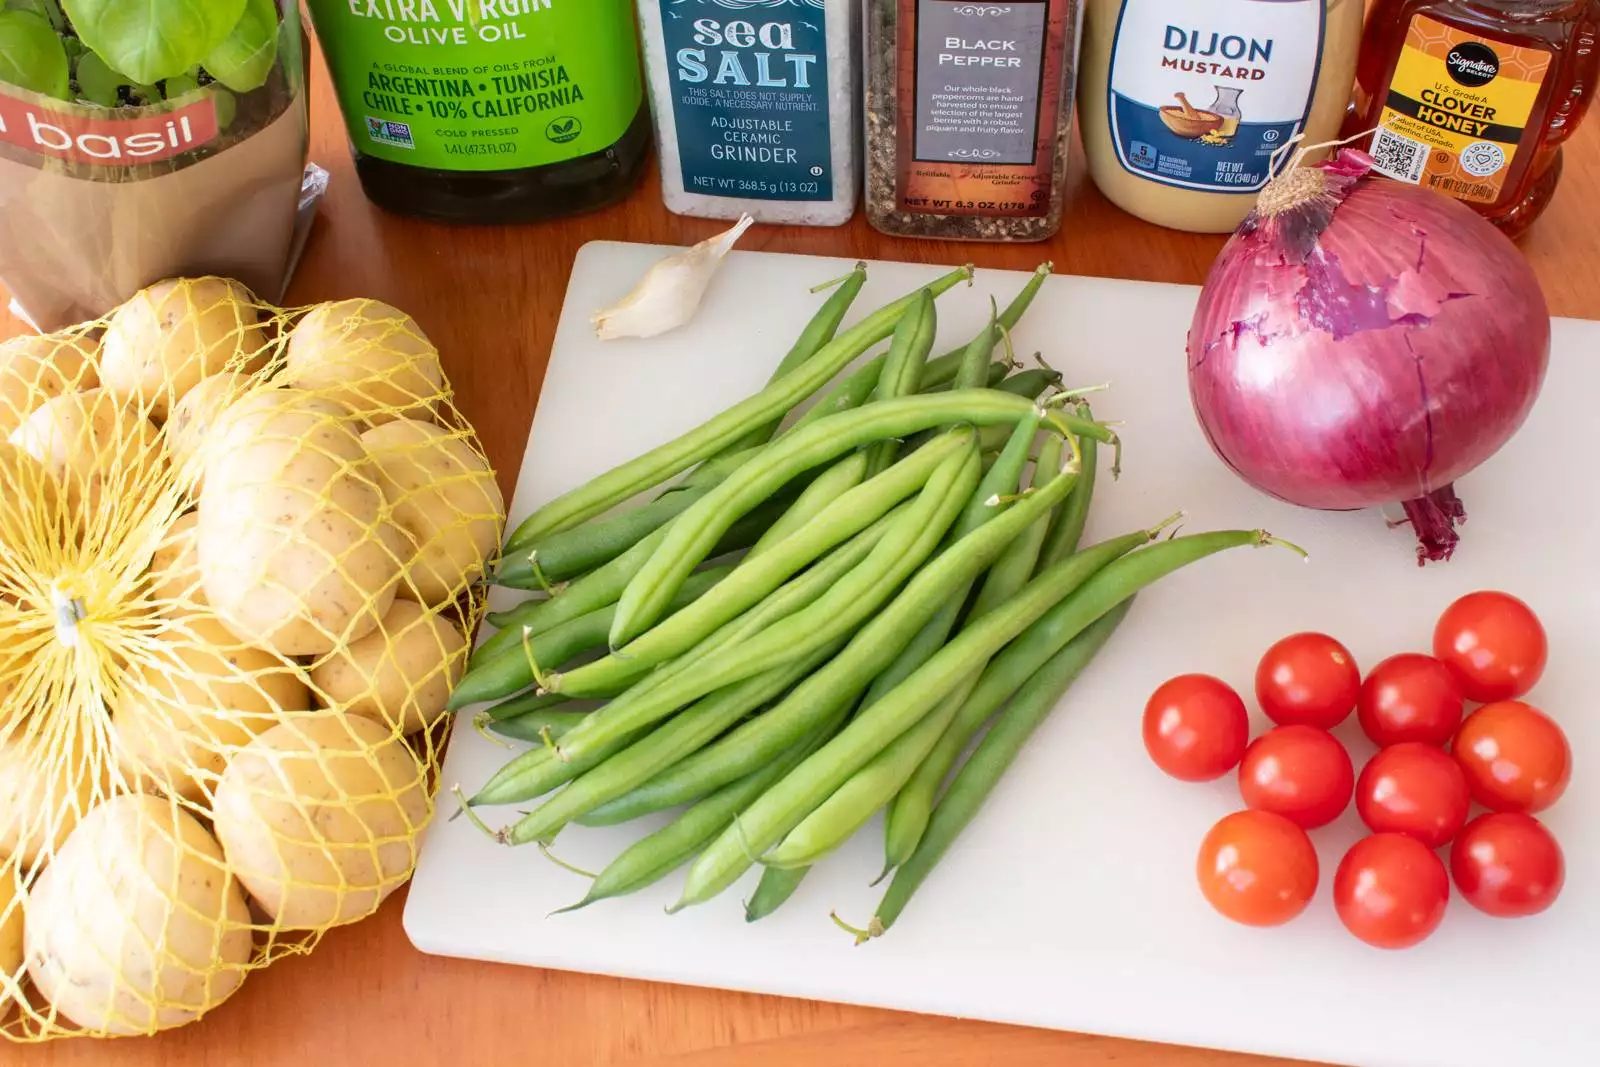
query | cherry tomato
[1414, 789]
[1308, 680]
[1410, 697]
[1196, 727]
[1494, 643]
[1507, 864]
[1390, 890]
[1516, 758]
[1299, 772]
[1257, 868]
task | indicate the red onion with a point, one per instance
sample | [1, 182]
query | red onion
[1361, 342]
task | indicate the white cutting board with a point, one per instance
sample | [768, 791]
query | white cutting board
[1071, 901]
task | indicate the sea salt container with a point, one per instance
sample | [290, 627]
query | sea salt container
[755, 107]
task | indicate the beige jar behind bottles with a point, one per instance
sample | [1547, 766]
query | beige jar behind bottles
[1184, 107]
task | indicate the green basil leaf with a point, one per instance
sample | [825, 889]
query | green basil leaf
[227, 107]
[32, 56]
[180, 85]
[48, 10]
[150, 40]
[98, 83]
[243, 61]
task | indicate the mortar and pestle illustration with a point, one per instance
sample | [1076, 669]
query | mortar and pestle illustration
[1188, 121]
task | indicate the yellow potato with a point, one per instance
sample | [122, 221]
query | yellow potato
[35, 368]
[445, 498]
[175, 567]
[91, 442]
[194, 701]
[168, 337]
[195, 416]
[372, 358]
[11, 951]
[400, 674]
[319, 818]
[297, 550]
[46, 786]
[29, 501]
[137, 925]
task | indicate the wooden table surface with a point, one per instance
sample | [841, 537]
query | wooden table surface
[490, 298]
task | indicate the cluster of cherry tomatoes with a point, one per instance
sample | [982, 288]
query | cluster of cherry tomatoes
[1258, 866]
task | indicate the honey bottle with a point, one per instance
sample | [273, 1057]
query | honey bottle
[1474, 98]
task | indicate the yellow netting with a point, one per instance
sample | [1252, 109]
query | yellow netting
[240, 552]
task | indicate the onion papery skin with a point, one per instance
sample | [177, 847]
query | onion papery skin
[1362, 342]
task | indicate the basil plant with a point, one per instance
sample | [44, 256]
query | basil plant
[129, 53]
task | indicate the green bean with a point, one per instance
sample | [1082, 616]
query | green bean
[743, 751]
[531, 700]
[994, 756]
[582, 548]
[852, 391]
[908, 542]
[652, 858]
[1030, 383]
[510, 635]
[689, 731]
[572, 552]
[837, 480]
[993, 438]
[601, 539]
[1115, 583]
[550, 724]
[856, 388]
[1066, 531]
[602, 586]
[777, 885]
[1001, 480]
[973, 373]
[794, 596]
[818, 332]
[943, 369]
[866, 791]
[902, 370]
[691, 534]
[717, 433]
[907, 817]
[507, 669]
[781, 808]
[919, 758]
[760, 575]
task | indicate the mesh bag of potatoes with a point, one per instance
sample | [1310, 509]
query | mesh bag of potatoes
[240, 555]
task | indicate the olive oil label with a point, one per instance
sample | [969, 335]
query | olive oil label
[476, 85]
[978, 120]
[1457, 109]
[1205, 94]
[750, 97]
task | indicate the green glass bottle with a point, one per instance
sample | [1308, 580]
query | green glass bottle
[489, 111]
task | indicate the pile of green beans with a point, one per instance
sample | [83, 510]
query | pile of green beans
[814, 624]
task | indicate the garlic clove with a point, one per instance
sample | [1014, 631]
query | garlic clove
[670, 291]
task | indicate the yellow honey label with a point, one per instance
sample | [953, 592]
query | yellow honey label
[1457, 110]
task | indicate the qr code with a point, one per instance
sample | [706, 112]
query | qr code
[390, 133]
[1399, 157]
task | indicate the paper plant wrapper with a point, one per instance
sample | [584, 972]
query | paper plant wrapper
[96, 204]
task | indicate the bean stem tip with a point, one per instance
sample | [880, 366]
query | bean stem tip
[544, 850]
[466, 809]
[480, 723]
[1263, 538]
[862, 936]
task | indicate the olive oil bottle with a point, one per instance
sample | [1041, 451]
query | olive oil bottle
[489, 111]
